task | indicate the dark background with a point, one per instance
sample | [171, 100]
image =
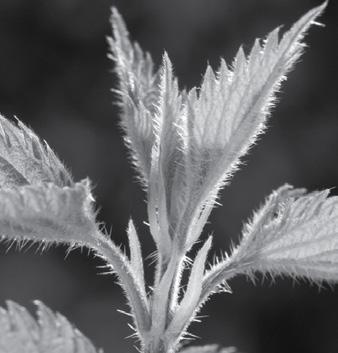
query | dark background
[55, 76]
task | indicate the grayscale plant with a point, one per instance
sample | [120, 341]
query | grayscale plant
[186, 146]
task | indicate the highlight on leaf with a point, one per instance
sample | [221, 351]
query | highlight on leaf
[137, 92]
[136, 259]
[300, 239]
[163, 191]
[198, 138]
[294, 233]
[25, 159]
[51, 332]
[227, 114]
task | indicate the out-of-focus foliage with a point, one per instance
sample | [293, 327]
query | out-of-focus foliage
[20, 332]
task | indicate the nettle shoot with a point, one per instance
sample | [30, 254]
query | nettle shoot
[185, 145]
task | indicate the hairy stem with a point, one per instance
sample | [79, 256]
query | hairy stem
[160, 308]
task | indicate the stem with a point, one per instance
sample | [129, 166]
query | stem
[160, 310]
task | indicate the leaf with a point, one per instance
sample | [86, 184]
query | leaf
[165, 160]
[227, 114]
[138, 94]
[294, 234]
[188, 145]
[20, 332]
[136, 259]
[212, 348]
[25, 159]
[189, 304]
[48, 213]
[301, 239]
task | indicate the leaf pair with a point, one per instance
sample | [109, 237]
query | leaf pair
[39, 202]
[187, 145]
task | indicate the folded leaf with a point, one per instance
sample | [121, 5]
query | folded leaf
[25, 159]
[138, 94]
[48, 213]
[163, 192]
[21, 333]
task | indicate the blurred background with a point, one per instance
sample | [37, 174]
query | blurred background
[55, 76]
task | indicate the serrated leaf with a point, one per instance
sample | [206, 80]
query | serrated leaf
[300, 239]
[212, 348]
[20, 332]
[166, 156]
[197, 139]
[293, 233]
[25, 159]
[47, 213]
[138, 94]
[227, 114]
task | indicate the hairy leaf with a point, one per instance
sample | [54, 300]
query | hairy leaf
[136, 259]
[138, 94]
[189, 304]
[21, 333]
[293, 234]
[25, 159]
[165, 156]
[300, 239]
[47, 213]
[227, 114]
[195, 141]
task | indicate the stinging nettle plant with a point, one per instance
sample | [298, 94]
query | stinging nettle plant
[185, 145]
